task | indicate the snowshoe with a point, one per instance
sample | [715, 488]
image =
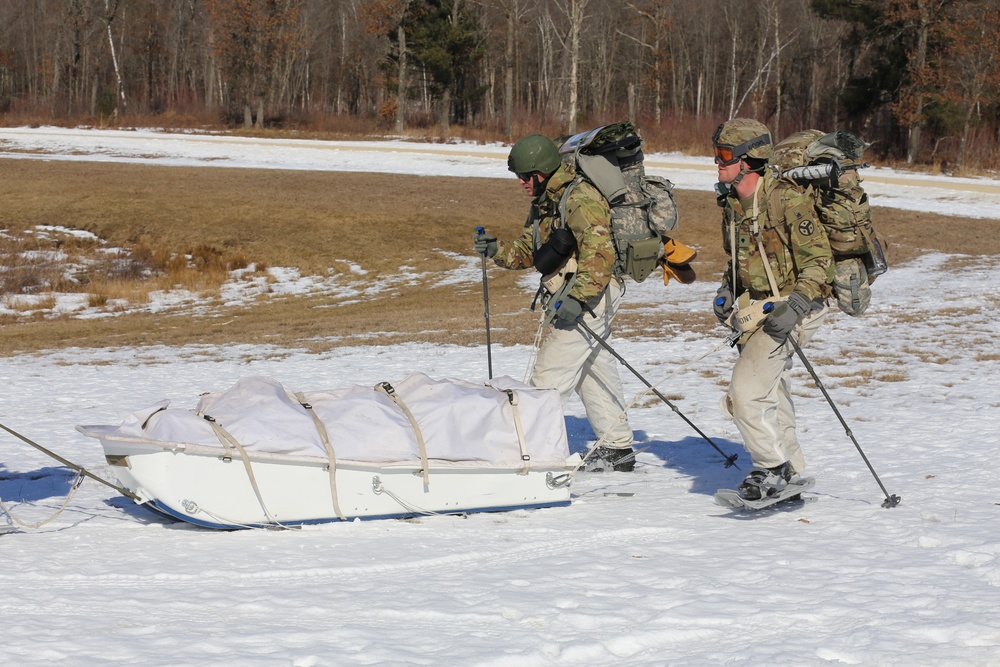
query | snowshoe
[792, 491]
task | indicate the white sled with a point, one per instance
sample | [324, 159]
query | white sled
[258, 455]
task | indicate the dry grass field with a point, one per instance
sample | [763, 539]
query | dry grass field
[219, 219]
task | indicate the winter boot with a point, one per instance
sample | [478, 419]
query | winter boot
[606, 459]
[765, 482]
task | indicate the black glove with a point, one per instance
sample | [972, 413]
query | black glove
[786, 316]
[723, 304]
[484, 244]
[569, 309]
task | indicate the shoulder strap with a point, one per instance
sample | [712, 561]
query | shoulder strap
[564, 200]
[760, 245]
[775, 203]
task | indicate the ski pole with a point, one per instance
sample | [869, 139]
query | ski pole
[82, 471]
[730, 460]
[890, 500]
[486, 312]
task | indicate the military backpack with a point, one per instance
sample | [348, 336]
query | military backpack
[643, 209]
[826, 165]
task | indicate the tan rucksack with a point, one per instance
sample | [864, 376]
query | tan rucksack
[827, 164]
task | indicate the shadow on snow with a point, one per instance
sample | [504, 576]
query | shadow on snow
[41, 484]
[691, 456]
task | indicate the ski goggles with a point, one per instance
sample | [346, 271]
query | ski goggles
[724, 156]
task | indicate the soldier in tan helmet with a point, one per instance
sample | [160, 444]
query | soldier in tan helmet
[778, 255]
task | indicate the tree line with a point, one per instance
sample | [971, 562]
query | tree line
[920, 79]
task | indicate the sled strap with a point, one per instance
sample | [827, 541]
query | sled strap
[389, 391]
[332, 467]
[226, 438]
[525, 458]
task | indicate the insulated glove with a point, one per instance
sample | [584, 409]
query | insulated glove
[786, 316]
[484, 244]
[723, 304]
[569, 309]
[676, 262]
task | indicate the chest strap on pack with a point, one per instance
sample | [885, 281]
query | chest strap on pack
[389, 391]
[331, 457]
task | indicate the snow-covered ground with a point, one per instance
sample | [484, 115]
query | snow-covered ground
[641, 569]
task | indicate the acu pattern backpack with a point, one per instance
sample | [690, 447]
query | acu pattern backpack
[827, 164]
[643, 210]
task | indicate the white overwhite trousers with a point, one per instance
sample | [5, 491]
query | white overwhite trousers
[761, 398]
[570, 361]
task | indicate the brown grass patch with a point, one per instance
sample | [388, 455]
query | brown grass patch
[858, 353]
[857, 378]
[28, 304]
[820, 361]
[190, 226]
[927, 356]
[650, 401]
[802, 393]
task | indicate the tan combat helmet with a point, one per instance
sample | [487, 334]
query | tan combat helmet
[742, 137]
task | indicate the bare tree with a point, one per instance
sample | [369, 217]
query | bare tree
[971, 64]
[576, 12]
[110, 11]
[918, 16]
[514, 12]
[656, 22]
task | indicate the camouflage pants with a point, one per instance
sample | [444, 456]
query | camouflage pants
[761, 400]
[570, 362]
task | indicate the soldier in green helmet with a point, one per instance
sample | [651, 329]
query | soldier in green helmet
[580, 256]
[778, 254]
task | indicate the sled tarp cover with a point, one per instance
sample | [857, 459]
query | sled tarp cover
[461, 423]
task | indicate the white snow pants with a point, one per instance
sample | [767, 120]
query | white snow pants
[570, 361]
[761, 400]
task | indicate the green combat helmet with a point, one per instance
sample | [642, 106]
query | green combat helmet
[534, 153]
[742, 137]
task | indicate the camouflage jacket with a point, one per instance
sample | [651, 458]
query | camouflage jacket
[792, 236]
[587, 216]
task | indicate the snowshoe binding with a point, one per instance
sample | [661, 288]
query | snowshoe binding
[763, 483]
[611, 459]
